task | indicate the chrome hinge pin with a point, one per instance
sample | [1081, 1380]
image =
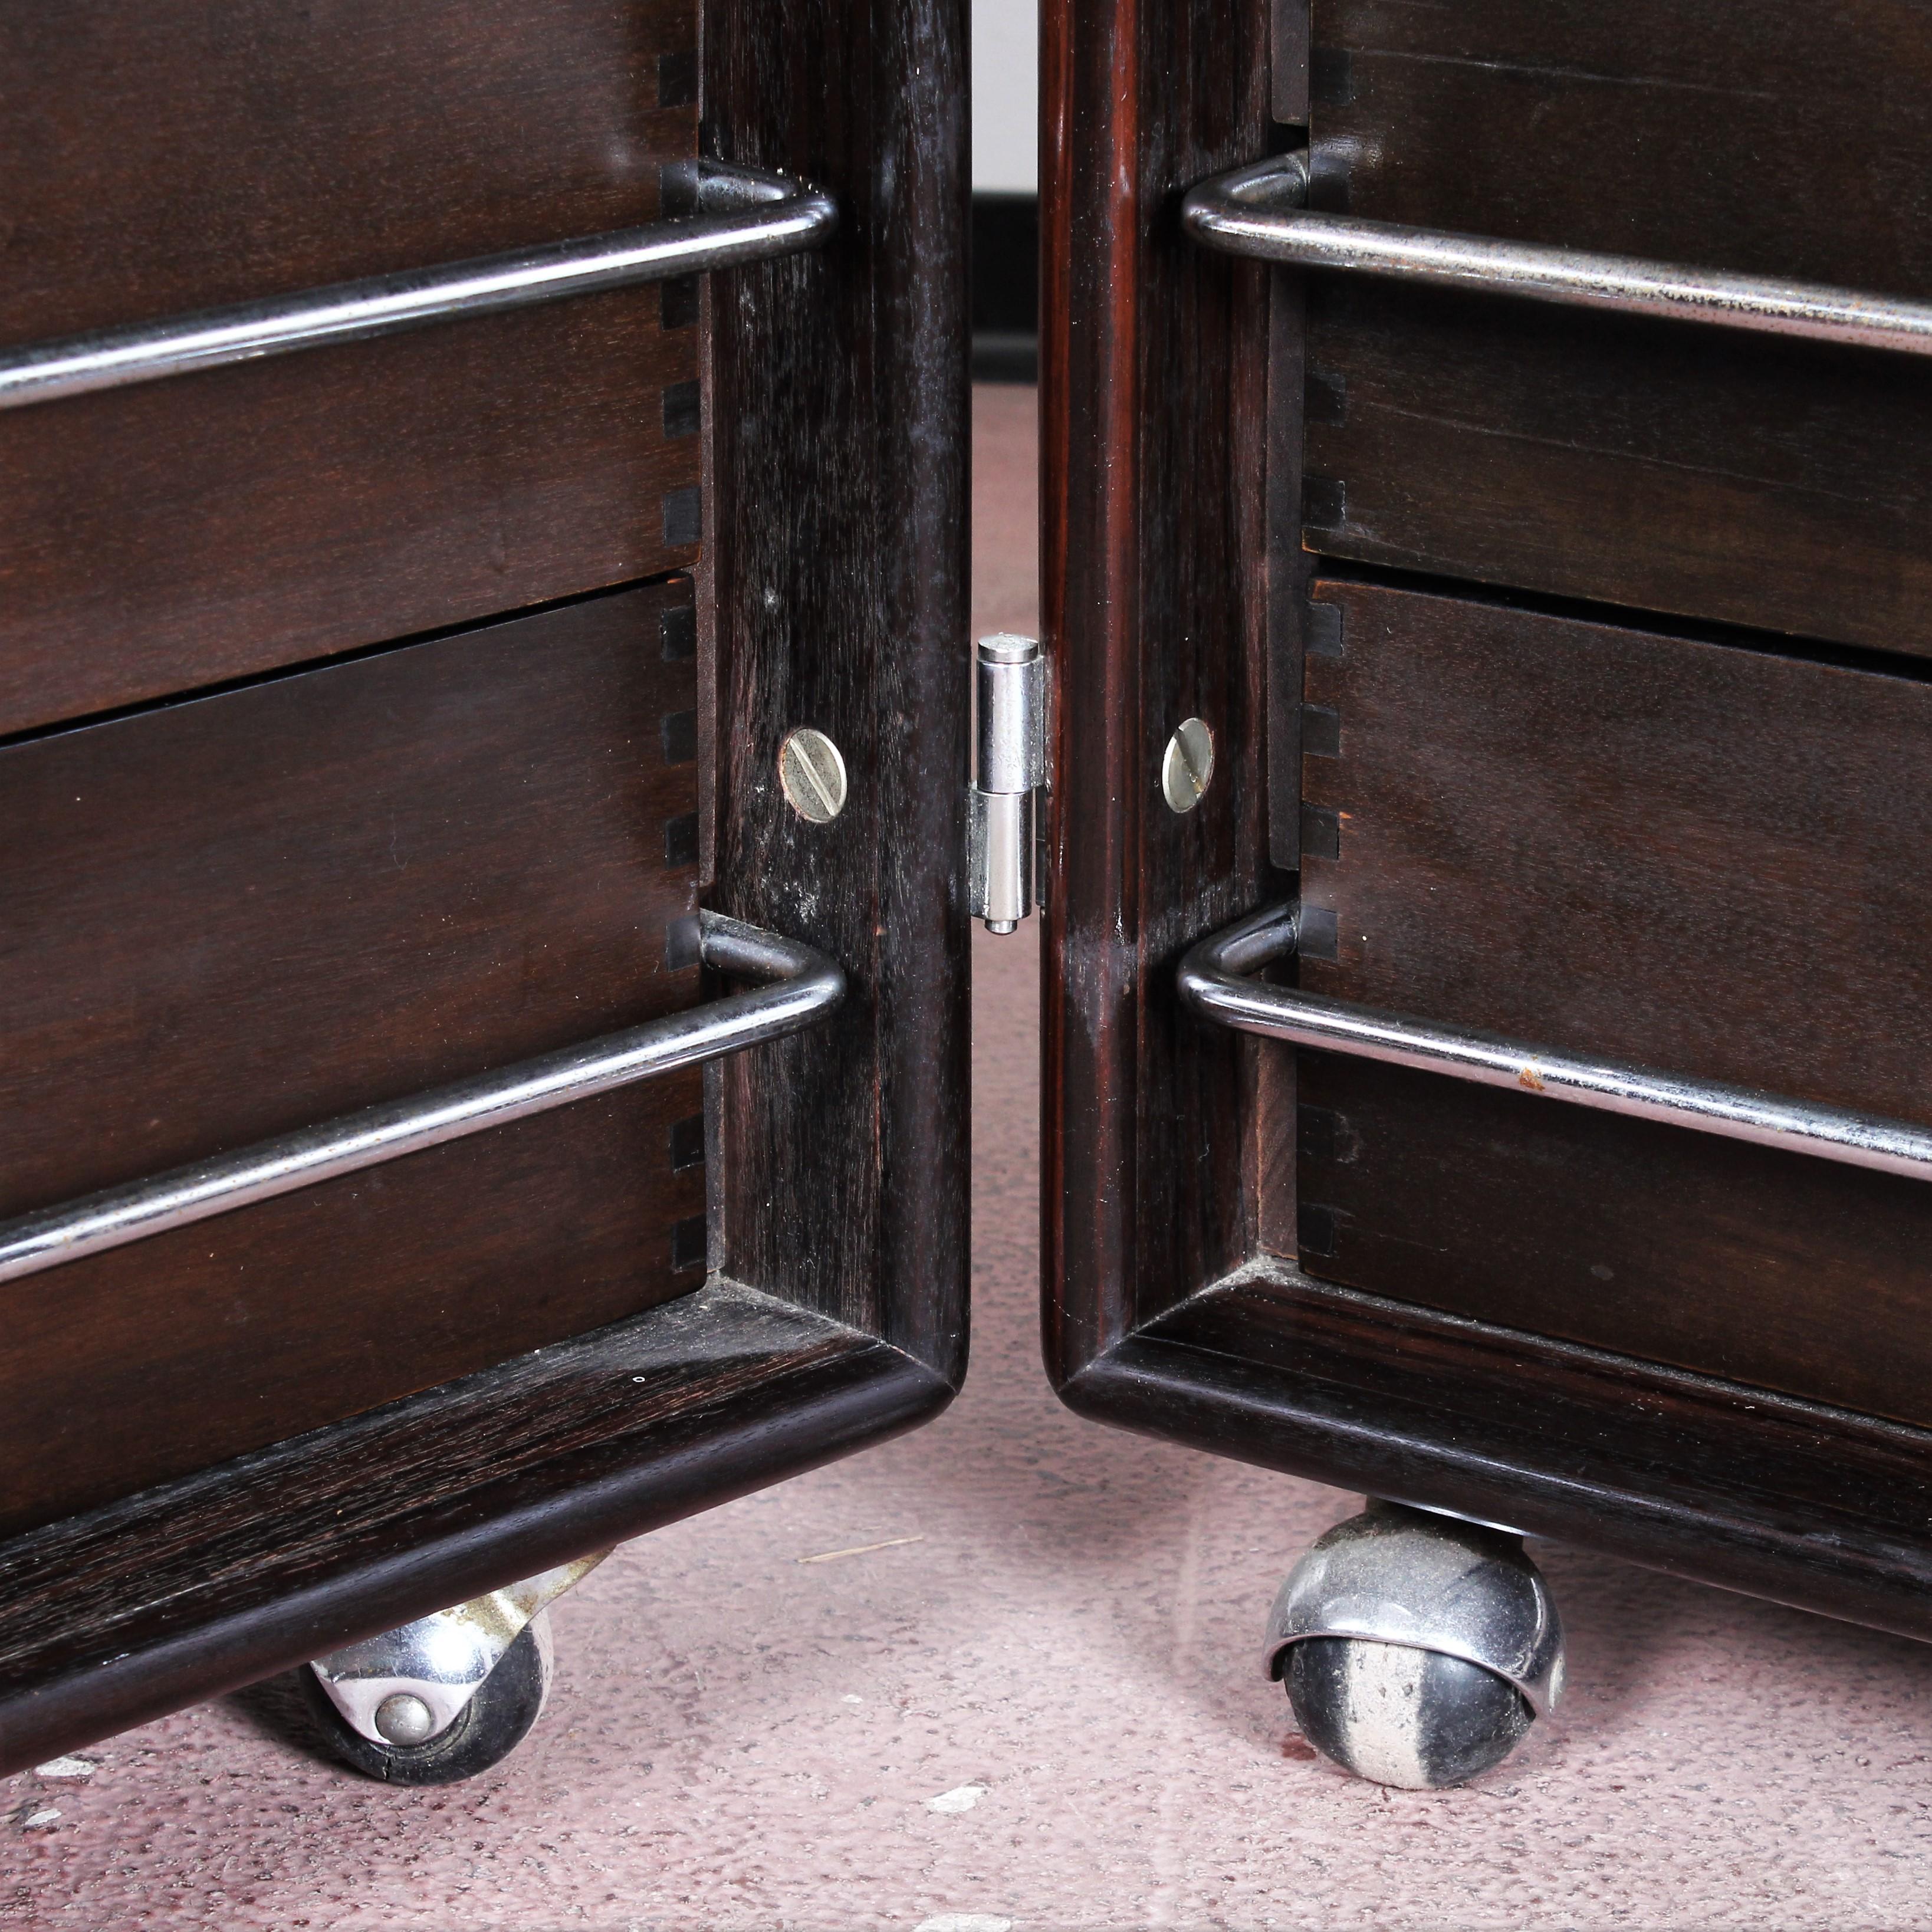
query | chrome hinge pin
[1003, 805]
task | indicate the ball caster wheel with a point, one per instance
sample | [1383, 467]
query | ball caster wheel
[1417, 1650]
[495, 1719]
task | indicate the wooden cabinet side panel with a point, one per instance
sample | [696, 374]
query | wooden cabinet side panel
[1693, 855]
[1692, 470]
[1750, 135]
[239, 915]
[1768, 1270]
[158, 156]
[1155, 401]
[216, 526]
[173, 1356]
[838, 556]
[1668, 468]
[230, 917]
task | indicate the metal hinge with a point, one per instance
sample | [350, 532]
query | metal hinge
[1003, 808]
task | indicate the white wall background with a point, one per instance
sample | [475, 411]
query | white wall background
[1006, 96]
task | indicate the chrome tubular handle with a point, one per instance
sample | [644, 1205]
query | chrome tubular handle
[1215, 982]
[1260, 210]
[740, 214]
[802, 985]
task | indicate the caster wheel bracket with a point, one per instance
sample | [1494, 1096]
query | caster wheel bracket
[405, 1686]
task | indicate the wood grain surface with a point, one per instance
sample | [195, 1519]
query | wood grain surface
[182, 154]
[211, 1583]
[1699, 856]
[1739, 134]
[1695, 855]
[837, 559]
[1155, 605]
[224, 524]
[525, 852]
[1773, 1270]
[1670, 467]
[233, 916]
[1793, 1500]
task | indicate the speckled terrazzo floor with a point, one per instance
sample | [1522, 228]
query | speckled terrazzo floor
[1037, 1704]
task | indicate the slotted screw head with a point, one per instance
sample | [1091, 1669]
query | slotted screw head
[1188, 765]
[812, 773]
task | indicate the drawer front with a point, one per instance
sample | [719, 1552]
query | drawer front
[1697, 856]
[225, 524]
[1666, 467]
[233, 916]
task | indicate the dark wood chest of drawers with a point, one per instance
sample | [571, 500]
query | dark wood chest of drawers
[1538, 527]
[392, 716]
[1485, 665]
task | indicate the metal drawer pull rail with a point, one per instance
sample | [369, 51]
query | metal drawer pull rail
[1260, 210]
[803, 986]
[1214, 981]
[740, 214]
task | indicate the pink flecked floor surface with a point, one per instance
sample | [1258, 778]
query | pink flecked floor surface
[1058, 1639]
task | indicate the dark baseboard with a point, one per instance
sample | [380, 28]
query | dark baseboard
[194, 1588]
[1005, 288]
[1741, 1487]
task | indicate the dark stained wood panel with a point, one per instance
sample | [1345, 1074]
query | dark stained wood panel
[1668, 467]
[155, 1361]
[838, 555]
[219, 525]
[1156, 405]
[1700, 857]
[195, 531]
[209, 1583]
[234, 915]
[1752, 135]
[1674, 469]
[1762, 1268]
[1790, 1500]
[162, 155]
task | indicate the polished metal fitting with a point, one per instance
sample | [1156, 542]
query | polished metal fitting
[1428, 1582]
[1002, 824]
[409, 1684]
